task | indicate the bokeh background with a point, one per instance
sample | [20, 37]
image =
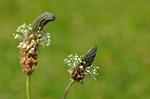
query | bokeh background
[120, 29]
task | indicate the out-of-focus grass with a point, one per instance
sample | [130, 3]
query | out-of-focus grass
[119, 28]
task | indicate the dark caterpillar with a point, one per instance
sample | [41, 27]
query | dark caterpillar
[89, 57]
[39, 23]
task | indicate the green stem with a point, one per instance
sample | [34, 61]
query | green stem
[67, 89]
[28, 87]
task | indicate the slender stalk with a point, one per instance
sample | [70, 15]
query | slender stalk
[67, 89]
[28, 87]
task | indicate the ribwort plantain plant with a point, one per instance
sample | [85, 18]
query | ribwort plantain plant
[31, 37]
[79, 67]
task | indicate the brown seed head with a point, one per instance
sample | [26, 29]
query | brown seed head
[28, 56]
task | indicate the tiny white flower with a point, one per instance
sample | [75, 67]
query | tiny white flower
[24, 45]
[28, 46]
[32, 50]
[81, 67]
[20, 45]
[88, 71]
[16, 36]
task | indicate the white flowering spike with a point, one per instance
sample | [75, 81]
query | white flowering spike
[30, 37]
[82, 66]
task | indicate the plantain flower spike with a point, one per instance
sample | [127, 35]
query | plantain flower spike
[81, 66]
[30, 37]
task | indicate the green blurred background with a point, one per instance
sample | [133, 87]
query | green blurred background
[120, 29]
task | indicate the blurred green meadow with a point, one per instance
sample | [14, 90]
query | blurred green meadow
[119, 28]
